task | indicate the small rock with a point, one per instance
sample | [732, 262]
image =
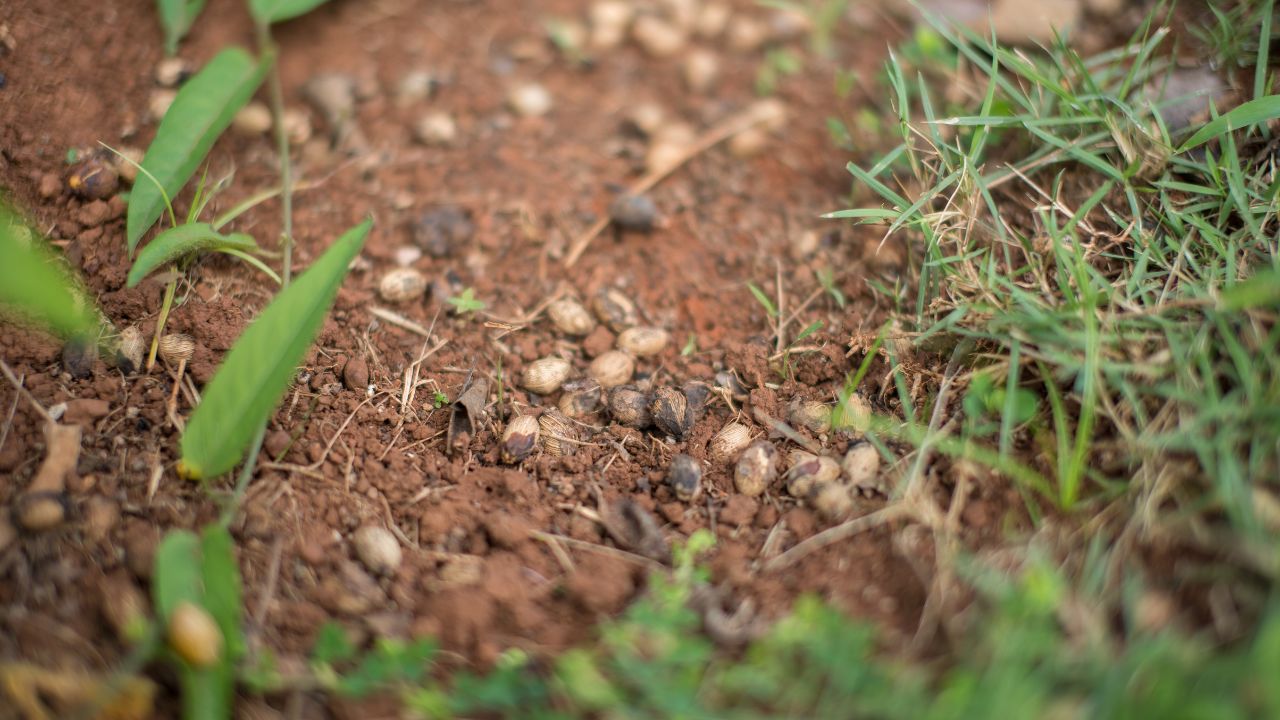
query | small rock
[78, 356]
[377, 549]
[1183, 96]
[355, 374]
[414, 87]
[100, 516]
[747, 34]
[442, 231]
[159, 102]
[406, 255]
[436, 128]
[658, 38]
[172, 72]
[633, 213]
[713, 19]
[530, 100]
[93, 214]
[50, 186]
[333, 95]
[738, 510]
[85, 410]
[277, 443]
[609, 21]
[297, 126]
[646, 118]
[701, 69]
[252, 120]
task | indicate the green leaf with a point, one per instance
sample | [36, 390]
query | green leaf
[177, 16]
[261, 365]
[764, 300]
[183, 240]
[176, 576]
[332, 645]
[466, 302]
[201, 111]
[813, 327]
[222, 586]
[1260, 290]
[34, 283]
[274, 11]
[1251, 113]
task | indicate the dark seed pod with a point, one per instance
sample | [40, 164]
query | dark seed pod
[78, 356]
[696, 392]
[581, 397]
[557, 433]
[630, 407]
[615, 310]
[519, 439]
[94, 179]
[685, 477]
[635, 213]
[671, 413]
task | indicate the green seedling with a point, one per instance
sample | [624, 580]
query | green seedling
[827, 279]
[37, 286]
[778, 63]
[769, 308]
[690, 346]
[466, 302]
[258, 369]
[439, 400]
[177, 16]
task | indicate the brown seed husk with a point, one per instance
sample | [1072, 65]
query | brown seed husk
[615, 310]
[729, 443]
[670, 412]
[557, 433]
[401, 285]
[520, 438]
[581, 398]
[612, 368]
[808, 471]
[629, 406]
[570, 317]
[177, 347]
[861, 468]
[643, 341]
[545, 375]
[757, 468]
[132, 350]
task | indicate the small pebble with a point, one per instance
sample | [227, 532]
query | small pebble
[443, 230]
[634, 213]
[297, 126]
[609, 21]
[530, 100]
[377, 549]
[701, 70]
[436, 128]
[646, 118]
[658, 38]
[159, 102]
[355, 374]
[414, 87]
[406, 255]
[333, 95]
[252, 120]
[172, 72]
[713, 19]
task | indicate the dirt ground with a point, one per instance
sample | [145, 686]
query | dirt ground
[478, 569]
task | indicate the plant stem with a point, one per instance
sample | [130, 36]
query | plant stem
[165, 307]
[276, 99]
[246, 473]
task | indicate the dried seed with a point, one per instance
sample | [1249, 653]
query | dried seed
[252, 120]
[570, 317]
[808, 471]
[685, 477]
[615, 310]
[701, 69]
[94, 179]
[133, 347]
[530, 100]
[194, 635]
[629, 406]
[643, 341]
[172, 72]
[634, 213]
[519, 439]
[545, 375]
[612, 368]
[402, 284]
[177, 347]
[729, 443]
[757, 469]
[812, 415]
[832, 500]
[670, 412]
[355, 374]
[609, 21]
[581, 398]
[853, 414]
[646, 118]
[861, 466]
[436, 128]
[41, 510]
[377, 549]
[159, 101]
[696, 393]
[557, 434]
[658, 37]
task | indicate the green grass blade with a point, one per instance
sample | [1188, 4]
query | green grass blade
[1251, 113]
[233, 252]
[177, 16]
[260, 366]
[201, 111]
[273, 11]
[175, 577]
[33, 283]
[183, 240]
[770, 309]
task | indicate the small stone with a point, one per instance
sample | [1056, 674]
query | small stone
[747, 34]
[85, 410]
[100, 515]
[50, 186]
[436, 128]
[377, 549]
[252, 120]
[158, 103]
[414, 87]
[297, 126]
[402, 285]
[333, 95]
[78, 357]
[277, 443]
[658, 38]
[748, 143]
[701, 70]
[530, 100]
[609, 21]
[713, 19]
[443, 230]
[646, 118]
[172, 72]
[634, 213]
[355, 374]
[1033, 22]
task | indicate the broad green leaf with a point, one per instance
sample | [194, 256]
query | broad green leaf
[33, 283]
[176, 575]
[201, 111]
[274, 11]
[182, 240]
[177, 16]
[260, 366]
[1251, 113]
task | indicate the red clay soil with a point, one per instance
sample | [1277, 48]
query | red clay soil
[472, 574]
